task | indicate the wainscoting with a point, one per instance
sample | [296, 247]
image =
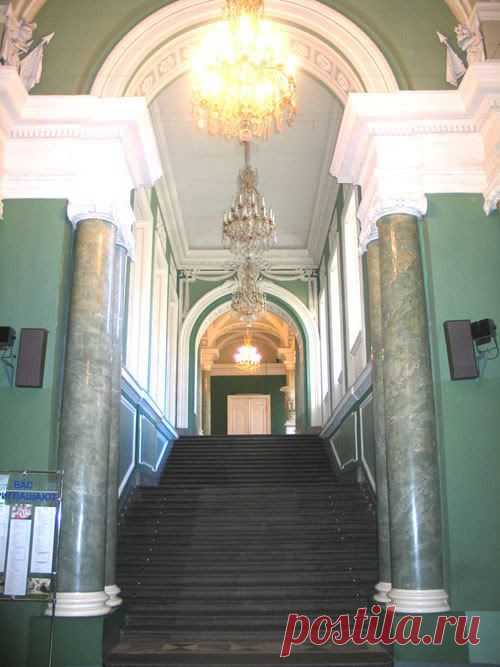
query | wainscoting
[145, 439]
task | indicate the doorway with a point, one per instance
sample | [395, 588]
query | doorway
[249, 414]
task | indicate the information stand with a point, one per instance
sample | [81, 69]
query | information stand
[30, 521]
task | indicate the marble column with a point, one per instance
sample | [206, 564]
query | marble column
[377, 348]
[412, 460]
[86, 420]
[118, 313]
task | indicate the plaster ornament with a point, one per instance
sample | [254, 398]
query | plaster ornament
[455, 68]
[16, 40]
[32, 65]
[16, 48]
[470, 40]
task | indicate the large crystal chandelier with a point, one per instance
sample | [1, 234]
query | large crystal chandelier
[249, 229]
[248, 299]
[243, 80]
[247, 357]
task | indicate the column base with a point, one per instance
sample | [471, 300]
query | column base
[113, 592]
[382, 592]
[80, 605]
[419, 602]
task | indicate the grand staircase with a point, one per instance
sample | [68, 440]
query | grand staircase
[241, 532]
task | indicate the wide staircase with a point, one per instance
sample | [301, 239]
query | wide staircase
[241, 532]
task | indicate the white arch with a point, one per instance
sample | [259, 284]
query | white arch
[328, 45]
[304, 316]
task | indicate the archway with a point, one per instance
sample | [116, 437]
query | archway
[215, 303]
[328, 46]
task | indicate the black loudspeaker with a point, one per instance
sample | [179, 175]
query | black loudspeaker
[31, 358]
[461, 352]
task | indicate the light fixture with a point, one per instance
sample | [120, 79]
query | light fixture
[243, 80]
[249, 229]
[247, 357]
[248, 299]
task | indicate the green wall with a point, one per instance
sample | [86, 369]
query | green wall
[35, 250]
[461, 250]
[224, 386]
[86, 32]
[35, 255]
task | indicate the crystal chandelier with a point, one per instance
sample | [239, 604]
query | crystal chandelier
[249, 229]
[248, 299]
[243, 81]
[247, 357]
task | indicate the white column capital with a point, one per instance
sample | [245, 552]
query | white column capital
[400, 147]
[115, 211]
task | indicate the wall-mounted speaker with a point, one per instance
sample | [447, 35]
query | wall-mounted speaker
[461, 351]
[31, 358]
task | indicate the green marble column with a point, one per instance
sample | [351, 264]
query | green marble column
[375, 314]
[111, 588]
[85, 425]
[412, 460]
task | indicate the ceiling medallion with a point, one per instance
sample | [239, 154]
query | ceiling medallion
[247, 357]
[244, 82]
[249, 229]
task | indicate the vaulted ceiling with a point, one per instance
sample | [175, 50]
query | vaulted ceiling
[201, 173]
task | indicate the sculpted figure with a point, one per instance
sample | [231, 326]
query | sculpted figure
[471, 41]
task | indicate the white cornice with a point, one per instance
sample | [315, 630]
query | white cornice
[402, 146]
[88, 150]
[486, 11]
[13, 97]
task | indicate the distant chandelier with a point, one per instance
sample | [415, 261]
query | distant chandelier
[247, 357]
[249, 229]
[248, 299]
[243, 81]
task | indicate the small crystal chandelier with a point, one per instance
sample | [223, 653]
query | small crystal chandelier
[247, 357]
[248, 299]
[249, 229]
[243, 81]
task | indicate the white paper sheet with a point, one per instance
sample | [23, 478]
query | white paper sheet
[4, 529]
[4, 481]
[43, 540]
[16, 573]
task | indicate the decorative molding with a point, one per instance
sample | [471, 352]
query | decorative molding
[91, 151]
[80, 605]
[232, 369]
[114, 600]
[485, 11]
[192, 317]
[13, 97]
[408, 601]
[351, 398]
[403, 146]
[382, 590]
[157, 50]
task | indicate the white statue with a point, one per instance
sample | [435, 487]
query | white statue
[455, 68]
[16, 51]
[17, 39]
[470, 40]
[32, 65]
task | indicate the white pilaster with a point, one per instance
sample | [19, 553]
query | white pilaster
[13, 97]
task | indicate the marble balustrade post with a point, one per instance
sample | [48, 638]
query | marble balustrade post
[120, 265]
[412, 458]
[86, 419]
[383, 529]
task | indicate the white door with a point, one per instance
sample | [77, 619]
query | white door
[249, 415]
